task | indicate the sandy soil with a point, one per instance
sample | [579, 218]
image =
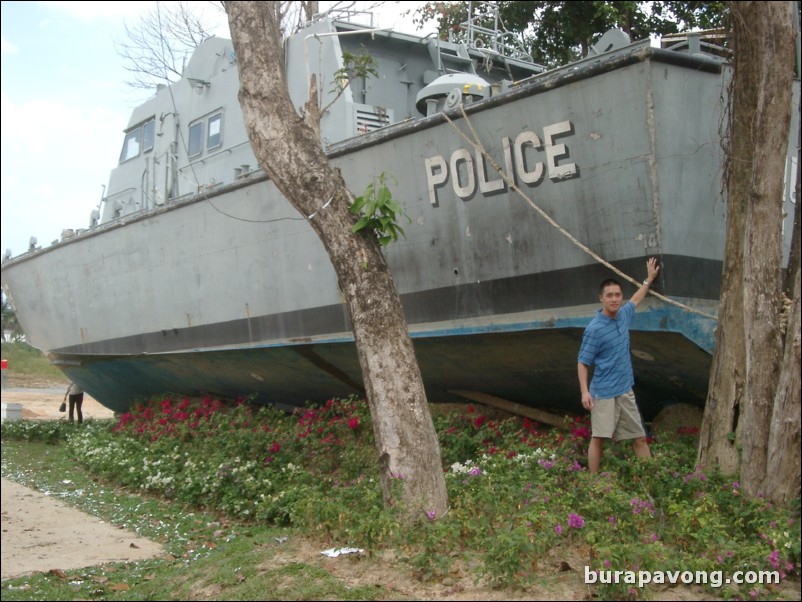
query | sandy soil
[40, 533]
[41, 398]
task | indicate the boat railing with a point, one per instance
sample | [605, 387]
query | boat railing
[479, 34]
[349, 15]
[709, 41]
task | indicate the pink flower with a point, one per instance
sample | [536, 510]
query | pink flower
[774, 559]
[575, 521]
[581, 432]
[353, 422]
[558, 529]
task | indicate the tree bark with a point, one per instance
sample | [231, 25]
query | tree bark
[720, 433]
[763, 81]
[747, 360]
[290, 152]
[783, 463]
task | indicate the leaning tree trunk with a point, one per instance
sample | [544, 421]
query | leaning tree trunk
[749, 344]
[289, 151]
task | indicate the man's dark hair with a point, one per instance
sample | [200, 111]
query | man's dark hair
[609, 282]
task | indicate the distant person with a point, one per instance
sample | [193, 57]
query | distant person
[605, 344]
[76, 399]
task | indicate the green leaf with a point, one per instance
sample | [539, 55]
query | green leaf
[384, 196]
[357, 205]
[392, 205]
[360, 224]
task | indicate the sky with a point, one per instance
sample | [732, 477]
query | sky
[65, 104]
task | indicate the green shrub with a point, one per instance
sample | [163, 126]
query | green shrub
[517, 491]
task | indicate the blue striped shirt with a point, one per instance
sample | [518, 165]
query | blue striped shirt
[606, 344]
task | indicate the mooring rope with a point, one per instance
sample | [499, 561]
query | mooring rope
[477, 145]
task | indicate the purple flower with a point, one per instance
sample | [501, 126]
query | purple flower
[774, 559]
[575, 521]
[475, 471]
[431, 514]
[558, 529]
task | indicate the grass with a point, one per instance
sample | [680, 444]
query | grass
[24, 359]
[222, 486]
[207, 555]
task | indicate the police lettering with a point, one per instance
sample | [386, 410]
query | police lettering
[471, 171]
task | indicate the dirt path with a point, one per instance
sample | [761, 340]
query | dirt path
[40, 533]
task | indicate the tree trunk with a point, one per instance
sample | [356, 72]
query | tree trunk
[290, 152]
[720, 434]
[764, 61]
[746, 364]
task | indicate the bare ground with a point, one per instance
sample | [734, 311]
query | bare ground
[40, 534]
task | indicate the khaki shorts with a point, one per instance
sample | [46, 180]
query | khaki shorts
[617, 416]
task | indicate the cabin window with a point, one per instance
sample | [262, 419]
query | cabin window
[214, 136]
[148, 130]
[139, 139]
[195, 139]
[131, 145]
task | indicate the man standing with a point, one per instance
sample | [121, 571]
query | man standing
[609, 398]
[76, 398]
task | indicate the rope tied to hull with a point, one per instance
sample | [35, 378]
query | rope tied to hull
[477, 145]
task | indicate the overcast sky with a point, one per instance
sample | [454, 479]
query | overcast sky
[65, 104]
